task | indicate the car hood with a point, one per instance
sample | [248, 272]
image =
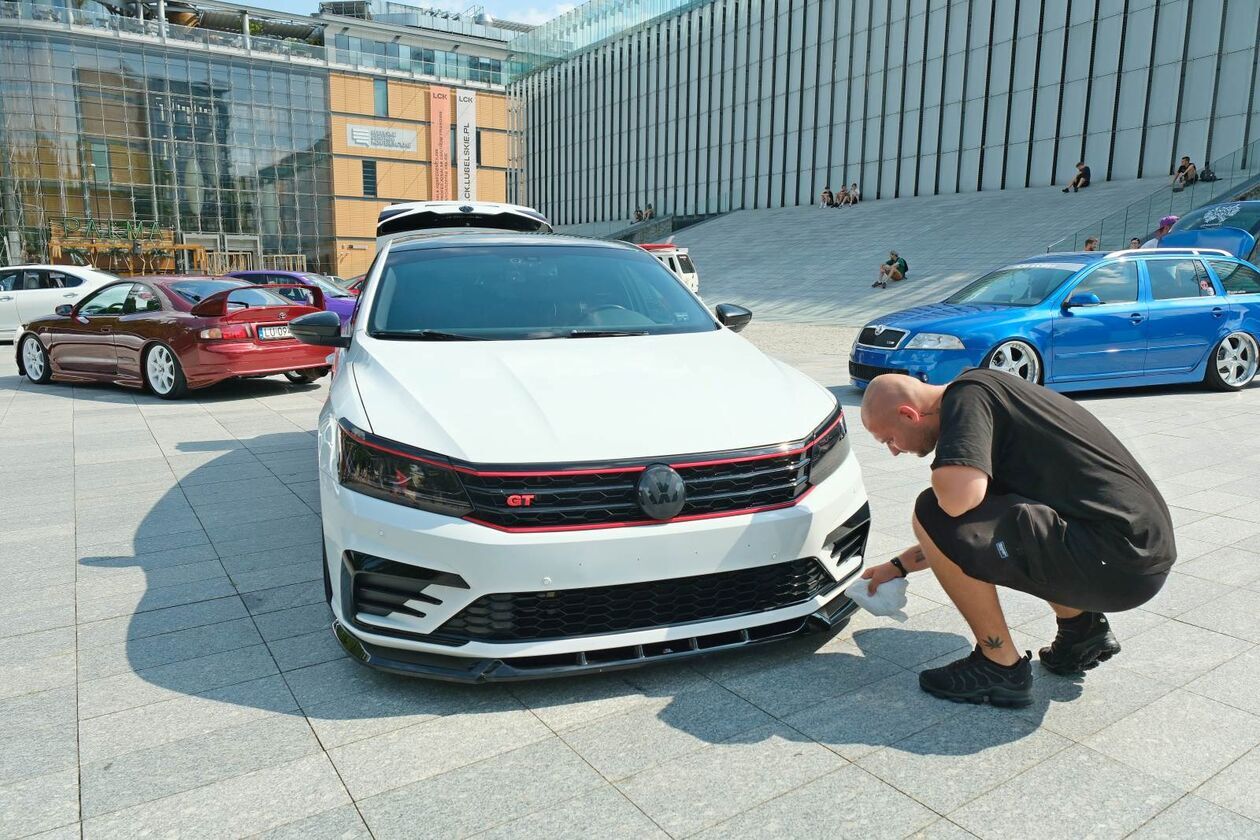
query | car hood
[944, 317]
[582, 400]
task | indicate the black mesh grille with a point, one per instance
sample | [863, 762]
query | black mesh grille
[522, 616]
[610, 497]
[868, 372]
[886, 339]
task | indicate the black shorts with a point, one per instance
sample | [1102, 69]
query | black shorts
[1011, 541]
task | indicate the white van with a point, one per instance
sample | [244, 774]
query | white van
[677, 260]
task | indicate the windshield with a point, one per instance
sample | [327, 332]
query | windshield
[530, 292]
[327, 286]
[244, 294]
[1017, 285]
[1235, 214]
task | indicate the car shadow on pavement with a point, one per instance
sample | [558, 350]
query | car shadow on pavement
[215, 592]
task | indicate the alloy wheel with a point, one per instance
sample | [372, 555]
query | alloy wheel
[1016, 357]
[160, 366]
[33, 358]
[1236, 359]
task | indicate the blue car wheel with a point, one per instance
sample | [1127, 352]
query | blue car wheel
[1015, 357]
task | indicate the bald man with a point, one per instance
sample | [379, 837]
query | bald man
[1031, 492]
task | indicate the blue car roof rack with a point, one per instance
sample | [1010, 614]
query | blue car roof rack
[1158, 251]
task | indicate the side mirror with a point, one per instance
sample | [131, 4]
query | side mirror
[322, 329]
[1083, 299]
[733, 317]
[65, 310]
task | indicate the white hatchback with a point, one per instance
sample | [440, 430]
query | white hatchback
[542, 455]
[28, 292]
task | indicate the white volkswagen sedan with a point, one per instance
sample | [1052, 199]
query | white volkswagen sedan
[28, 292]
[542, 455]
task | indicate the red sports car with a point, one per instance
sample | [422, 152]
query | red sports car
[170, 334]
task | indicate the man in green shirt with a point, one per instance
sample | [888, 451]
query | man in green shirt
[895, 269]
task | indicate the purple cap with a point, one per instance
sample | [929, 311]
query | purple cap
[1168, 220]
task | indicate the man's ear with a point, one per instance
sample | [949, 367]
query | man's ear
[908, 412]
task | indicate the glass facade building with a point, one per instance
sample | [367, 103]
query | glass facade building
[204, 145]
[713, 105]
[231, 144]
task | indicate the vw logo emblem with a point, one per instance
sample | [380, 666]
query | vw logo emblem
[661, 492]
[879, 329]
[466, 209]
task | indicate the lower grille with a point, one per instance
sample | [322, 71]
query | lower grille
[868, 372]
[396, 592]
[529, 616]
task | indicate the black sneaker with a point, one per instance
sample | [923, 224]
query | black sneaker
[1080, 646]
[976, 678]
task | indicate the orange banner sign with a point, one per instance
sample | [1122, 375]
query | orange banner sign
[440, 142]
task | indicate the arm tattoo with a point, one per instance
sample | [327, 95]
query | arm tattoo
[992, 642]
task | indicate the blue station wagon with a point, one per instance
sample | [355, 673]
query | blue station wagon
[1080, 321]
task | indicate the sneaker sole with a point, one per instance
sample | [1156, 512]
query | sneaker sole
[996, 695]
[1088, 657]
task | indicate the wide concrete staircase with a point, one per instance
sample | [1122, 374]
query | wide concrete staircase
[816, 265]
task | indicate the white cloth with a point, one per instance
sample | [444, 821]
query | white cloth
[888, 599]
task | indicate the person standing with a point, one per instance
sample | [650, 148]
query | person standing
[1165, 227]
[1029, 491]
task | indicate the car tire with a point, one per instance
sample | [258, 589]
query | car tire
[35, 362]
[305, 376]
[1233, 363]
[1016, 357]
[163, 374]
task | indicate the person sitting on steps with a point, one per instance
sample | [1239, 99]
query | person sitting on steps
[895, 269]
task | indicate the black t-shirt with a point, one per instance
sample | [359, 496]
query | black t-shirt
[1039, 444]
[1085, 173]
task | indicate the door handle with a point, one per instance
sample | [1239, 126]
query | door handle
[70, 294]
[106, 330]
[1137, 317]
[1217, 311]
[7, 297]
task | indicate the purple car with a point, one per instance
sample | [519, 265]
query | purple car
[336, 299]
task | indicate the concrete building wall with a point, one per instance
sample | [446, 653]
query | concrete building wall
[762, 103]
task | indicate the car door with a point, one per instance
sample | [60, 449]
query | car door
[140, 322]
[10, 281]
[1186, 314]
[84, 342]
[1107, 340]
[44, 291]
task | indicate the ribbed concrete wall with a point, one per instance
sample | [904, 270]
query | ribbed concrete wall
[761, 103]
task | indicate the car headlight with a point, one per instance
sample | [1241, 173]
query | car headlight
[391, 471]
[829, 449]
[934, 341]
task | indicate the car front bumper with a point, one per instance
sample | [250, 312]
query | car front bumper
[461, 563]
[936, 367]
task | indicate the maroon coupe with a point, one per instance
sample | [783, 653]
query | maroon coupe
[170, 334]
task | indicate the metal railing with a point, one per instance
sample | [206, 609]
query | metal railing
[1236, 174]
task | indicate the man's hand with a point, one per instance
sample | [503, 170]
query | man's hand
[880, 574]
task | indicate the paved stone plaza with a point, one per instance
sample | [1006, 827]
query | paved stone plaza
[168, 670]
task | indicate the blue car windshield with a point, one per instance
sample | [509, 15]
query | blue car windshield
[1017, 285]
[1237, 214]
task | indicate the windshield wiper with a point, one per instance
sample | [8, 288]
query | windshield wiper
[604, 333]
[426, 335]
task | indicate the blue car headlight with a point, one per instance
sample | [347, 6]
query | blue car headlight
[935, 341]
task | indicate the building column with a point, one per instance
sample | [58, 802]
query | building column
[161, 12]
[245, 30]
